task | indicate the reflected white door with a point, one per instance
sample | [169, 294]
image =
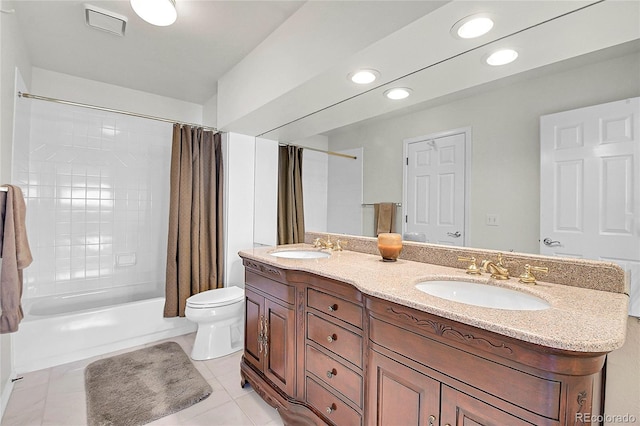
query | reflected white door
[590, 185]
[435, 188]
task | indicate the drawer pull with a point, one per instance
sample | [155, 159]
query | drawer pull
[331, 373]
[432, 420]
[332, 338]
[333, 308]
[331, 409]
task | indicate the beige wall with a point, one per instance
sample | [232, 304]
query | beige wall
[505, 150]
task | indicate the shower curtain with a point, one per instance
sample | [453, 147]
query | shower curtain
[290, 202]
[195, 244]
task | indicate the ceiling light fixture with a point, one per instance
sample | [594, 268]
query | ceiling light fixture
[156, 12]
[398, 93]
[364, 76]
[502, 57]
[472, 26]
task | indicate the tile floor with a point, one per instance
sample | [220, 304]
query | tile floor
[56, 396]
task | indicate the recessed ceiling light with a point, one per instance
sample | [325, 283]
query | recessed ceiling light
[156, 12]
[397, 93]
[502, 57]
[364, 76]
[472, 26]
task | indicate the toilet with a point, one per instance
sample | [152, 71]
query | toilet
[219, 314]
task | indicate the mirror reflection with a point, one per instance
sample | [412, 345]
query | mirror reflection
[492, 131]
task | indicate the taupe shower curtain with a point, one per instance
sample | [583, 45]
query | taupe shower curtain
[290, 205]
[195, 244]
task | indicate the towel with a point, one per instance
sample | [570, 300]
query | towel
[384, 217]
[15, 254]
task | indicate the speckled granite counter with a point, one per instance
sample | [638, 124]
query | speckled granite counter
[580, 319]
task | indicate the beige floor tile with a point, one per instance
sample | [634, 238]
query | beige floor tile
[35, 378]
[256, 409]
[65, 409]
[223, 365]
[229, 414]
[56, 396]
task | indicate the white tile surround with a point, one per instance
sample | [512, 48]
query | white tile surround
[56, 396]
[96, 190]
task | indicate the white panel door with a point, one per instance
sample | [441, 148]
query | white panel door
[590, 186]
[435, 185]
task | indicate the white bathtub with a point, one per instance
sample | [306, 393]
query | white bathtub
[62, 329]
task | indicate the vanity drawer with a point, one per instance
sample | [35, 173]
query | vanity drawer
[332, 407]
[335, 307]
[335, 375]
[335, 338]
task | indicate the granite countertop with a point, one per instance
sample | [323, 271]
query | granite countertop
[579, 319]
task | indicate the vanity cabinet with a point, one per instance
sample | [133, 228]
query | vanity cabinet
[270, 332]
[322, 352]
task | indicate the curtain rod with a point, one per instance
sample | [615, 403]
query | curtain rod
[373, 204]
[338, 154]
[117, 111]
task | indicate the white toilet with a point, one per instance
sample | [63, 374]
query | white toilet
[219, 314]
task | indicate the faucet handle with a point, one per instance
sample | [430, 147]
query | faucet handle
[338, 244]
[472, 269]
[527, 276]
[317, 243]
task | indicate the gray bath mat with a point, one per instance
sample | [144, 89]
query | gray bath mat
[138, 387]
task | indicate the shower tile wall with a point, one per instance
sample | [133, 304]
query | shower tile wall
[96, 186]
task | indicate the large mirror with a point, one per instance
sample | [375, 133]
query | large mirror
[500, 117]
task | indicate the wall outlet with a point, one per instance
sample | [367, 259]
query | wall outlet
[492, 219]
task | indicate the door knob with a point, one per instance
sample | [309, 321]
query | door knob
[456, 234]
[550, 243]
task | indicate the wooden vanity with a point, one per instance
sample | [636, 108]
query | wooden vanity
[323, 350]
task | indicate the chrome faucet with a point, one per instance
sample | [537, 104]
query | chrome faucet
[497, 270]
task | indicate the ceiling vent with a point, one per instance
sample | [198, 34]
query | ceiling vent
[105, 20]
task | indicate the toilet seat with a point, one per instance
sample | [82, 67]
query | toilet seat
[216, 297]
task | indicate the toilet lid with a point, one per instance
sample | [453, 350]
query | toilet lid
[216, 297]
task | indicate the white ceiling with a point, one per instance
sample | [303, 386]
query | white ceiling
[183, 61]
[212, 38]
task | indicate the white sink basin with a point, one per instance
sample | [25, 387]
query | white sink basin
[301, 254]
[488, 296]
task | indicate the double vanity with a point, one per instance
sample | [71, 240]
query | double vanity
[341, 337]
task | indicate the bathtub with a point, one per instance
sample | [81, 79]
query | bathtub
[61, 329]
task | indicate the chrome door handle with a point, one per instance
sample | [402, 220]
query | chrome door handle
[550, 243]
[456, 234]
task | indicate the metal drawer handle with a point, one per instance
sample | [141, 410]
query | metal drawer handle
[333, 308]
[331, 373]
[332, 338]
[432, 420]
[331, 409]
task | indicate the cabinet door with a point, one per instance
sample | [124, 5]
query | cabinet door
[460, 409]
[280, 358]
[401, 395]
[253, 320]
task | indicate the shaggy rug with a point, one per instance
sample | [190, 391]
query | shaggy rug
[138, 387]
